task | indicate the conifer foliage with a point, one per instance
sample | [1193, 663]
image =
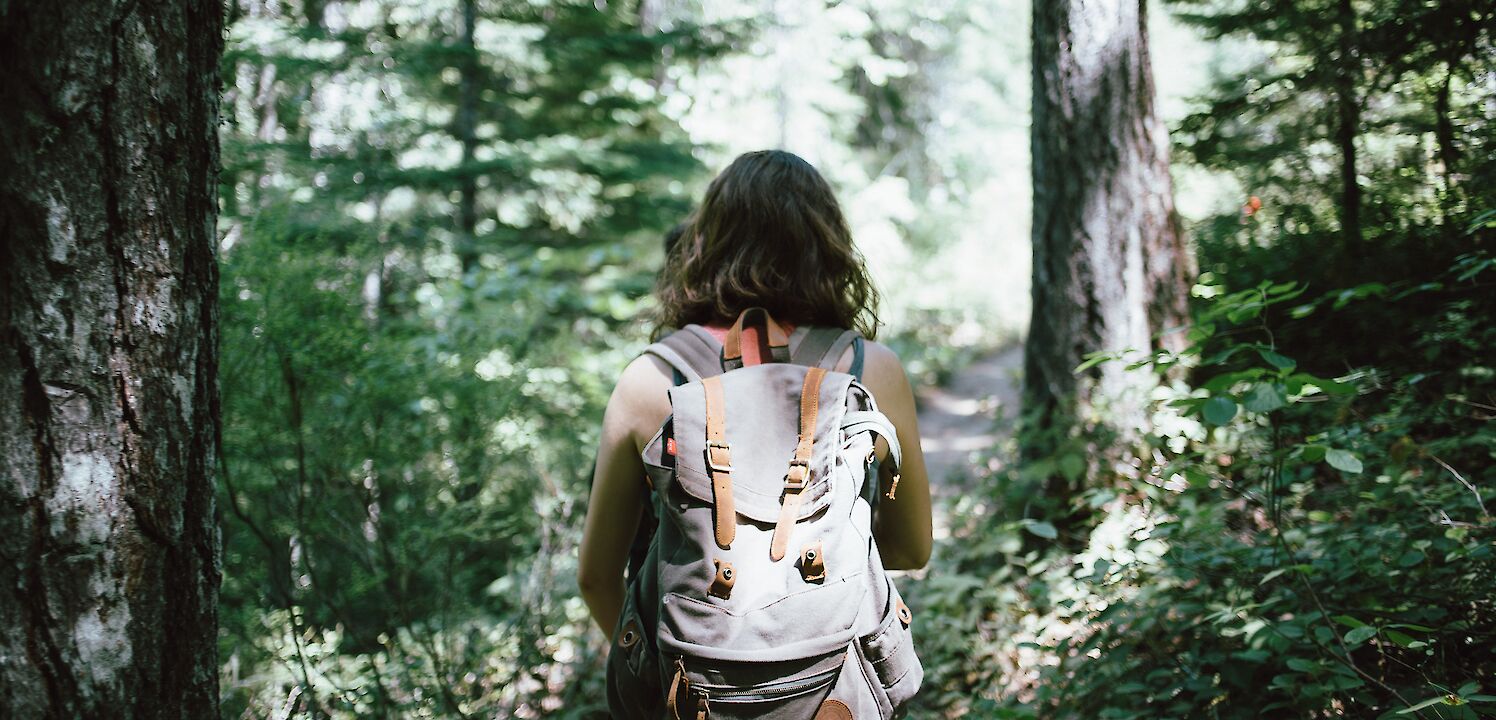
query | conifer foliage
[428, 208]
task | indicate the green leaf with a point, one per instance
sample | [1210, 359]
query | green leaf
[1072, 466]
[1324, 385]
[1302, 311]
[1341, 682]
[1094, 359]
[1343, 460]
[1265, 397]
[1302, 665]
[1402, 639]
[1423, 704]
[1360, 635]
[1219, 410]
[1042, 529]
[1223, 382]
[1314, 453]
[1282, 362]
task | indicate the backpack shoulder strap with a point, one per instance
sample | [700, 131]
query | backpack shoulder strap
[822, 346]
[855, 421]
[695, 353]
[691, 351]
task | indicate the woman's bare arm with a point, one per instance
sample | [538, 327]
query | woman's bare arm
[639, 403]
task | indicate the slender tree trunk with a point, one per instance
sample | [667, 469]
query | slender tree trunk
[1449, 150]
[1348, 124]
[109, 563]
[467, 134]
[1111, 268]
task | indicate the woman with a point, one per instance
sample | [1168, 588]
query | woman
[769, 233]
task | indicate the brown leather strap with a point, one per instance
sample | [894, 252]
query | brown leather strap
[732, 345]
[799, 473]
[810, 405]
[680, 683]
[672, 698]
[719, 463]
[789, 508]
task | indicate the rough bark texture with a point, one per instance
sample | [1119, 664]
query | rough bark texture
[1110, 268]
[109, 566]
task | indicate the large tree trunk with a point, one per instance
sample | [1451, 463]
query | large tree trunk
[1110, 268]
[109, 566]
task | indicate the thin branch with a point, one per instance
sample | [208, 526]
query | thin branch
[1463, 481]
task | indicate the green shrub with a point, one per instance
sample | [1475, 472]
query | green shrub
[1288, 543]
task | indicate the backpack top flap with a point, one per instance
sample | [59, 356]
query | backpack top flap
[762, 413]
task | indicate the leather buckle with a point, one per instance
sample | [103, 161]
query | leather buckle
[796, 481]
[711, 461]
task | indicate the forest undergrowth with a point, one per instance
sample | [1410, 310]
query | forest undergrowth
[1304, 529]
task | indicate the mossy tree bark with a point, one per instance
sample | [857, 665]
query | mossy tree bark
[109, 557]
[1111, 268]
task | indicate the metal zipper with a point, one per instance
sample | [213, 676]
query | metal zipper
[774, 691]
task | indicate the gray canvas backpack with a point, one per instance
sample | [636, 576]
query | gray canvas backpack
[762, 594]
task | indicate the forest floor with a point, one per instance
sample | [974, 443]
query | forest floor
[972, 412]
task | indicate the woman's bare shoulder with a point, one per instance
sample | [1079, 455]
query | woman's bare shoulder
[641, 399]
[882, 371]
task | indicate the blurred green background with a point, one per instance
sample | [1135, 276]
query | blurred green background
[441, 224]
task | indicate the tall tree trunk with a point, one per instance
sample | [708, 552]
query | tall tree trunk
[1110, 266]
[109, 561]
[1348, 124]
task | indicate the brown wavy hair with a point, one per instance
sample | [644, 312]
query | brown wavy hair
[769, 233]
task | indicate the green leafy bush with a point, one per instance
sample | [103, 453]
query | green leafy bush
[1291, 541]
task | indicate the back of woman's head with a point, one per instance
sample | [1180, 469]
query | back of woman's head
[769, 233]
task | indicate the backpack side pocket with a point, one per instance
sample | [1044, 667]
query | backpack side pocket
[633, 674]
[888, 655]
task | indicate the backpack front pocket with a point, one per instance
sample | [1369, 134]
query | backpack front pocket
[788, 690]
[802, 624]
